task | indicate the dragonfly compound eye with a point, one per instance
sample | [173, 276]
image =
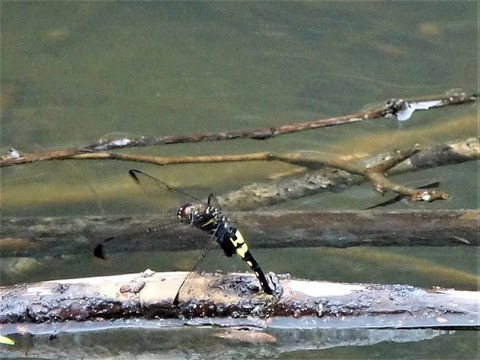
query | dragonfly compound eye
[184, 212]
[207, 216]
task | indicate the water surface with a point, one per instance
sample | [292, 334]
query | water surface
[76, 72]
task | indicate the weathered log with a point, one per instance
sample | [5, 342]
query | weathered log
[232, 300]
[58, 236]
[336, 174]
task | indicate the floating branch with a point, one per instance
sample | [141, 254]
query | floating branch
[393, 108]
[228, 300]
[401, 197]
[337, 175]
[320, 178]
[454, 152]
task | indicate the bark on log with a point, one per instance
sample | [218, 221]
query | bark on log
[57, 236]
[231, 300]
[337, 174]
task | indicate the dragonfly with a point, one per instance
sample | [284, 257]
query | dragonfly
[208, 217]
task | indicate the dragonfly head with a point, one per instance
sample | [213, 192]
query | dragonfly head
[185, 213]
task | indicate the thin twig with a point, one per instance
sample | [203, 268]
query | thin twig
[391, 109]
[161, 160]
[374, 169]
[375, 172]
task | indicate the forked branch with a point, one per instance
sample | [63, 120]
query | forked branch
[401, 109]
[374, 171]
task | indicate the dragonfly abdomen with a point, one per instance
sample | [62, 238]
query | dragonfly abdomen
[211, 220]
[232, 241]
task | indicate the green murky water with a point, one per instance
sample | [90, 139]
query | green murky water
[73, 73]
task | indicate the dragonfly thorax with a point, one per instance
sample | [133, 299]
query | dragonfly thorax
[204, 217]
[209, 218]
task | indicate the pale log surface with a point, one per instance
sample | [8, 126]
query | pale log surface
[228, 300]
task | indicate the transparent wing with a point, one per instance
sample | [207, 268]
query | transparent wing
[137, 237]
[149, 183]
[187, 286]
[154, 233]
[166, 234]
[200, 235]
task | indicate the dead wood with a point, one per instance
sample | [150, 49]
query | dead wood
[333, 175]
[220, 299]
[37, 237]
[401, 109]
[393, 108]
[323, 175]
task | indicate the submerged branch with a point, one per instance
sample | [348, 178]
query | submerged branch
[340, 173]
[323, 175]
[333, 175]
[51, 237]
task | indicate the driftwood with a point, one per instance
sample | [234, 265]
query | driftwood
[105, 149]
[314, 174]
[232, 300]
[334, 175]
[59, 236]
[399, 108]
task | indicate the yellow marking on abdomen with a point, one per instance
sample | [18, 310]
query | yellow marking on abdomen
[240, 244]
